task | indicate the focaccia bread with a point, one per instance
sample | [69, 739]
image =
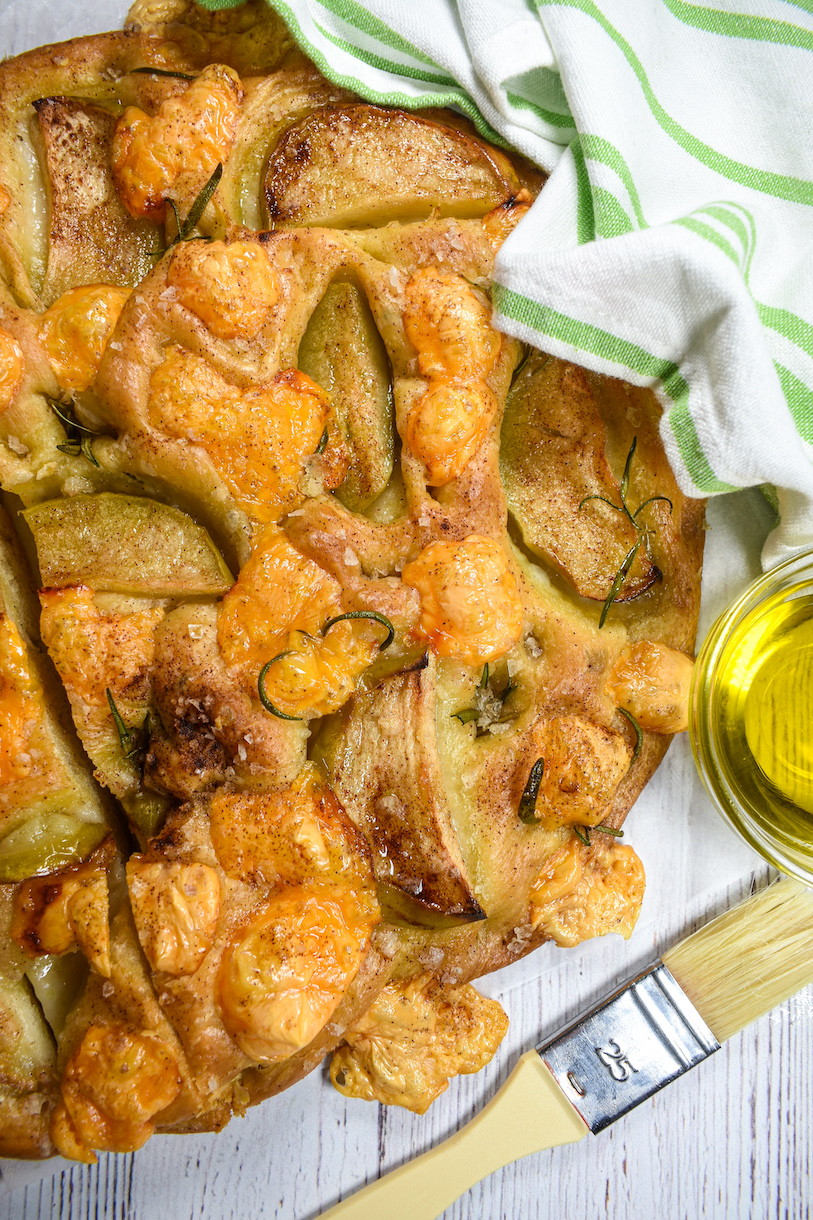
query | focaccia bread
[372, 624]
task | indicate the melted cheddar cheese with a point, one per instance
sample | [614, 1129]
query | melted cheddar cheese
[229, 287]
[581, 893]
[457, 348]
[76, 330]
[470, 604]
[652, 683]
[115, 1082]
[25, 760]
[259, 441]
[176, 908]
[417, 1034]
[190, 134]
[284, 975]
[11, 369]
[276, 612]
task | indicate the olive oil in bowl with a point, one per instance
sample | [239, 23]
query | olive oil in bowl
[751, 722]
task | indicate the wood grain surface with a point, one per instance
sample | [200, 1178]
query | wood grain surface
[733, 1139]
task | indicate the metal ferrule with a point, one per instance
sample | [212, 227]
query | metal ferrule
[636, 1042]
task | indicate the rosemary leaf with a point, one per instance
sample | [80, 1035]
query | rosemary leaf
[615, 507]
[484, 677]
[620, 577]
[651, 500]
[465, 715]
[320, 448]
[507, 690]
[72, 449]
[126, 737]
[371, 614]
[527, 802]
[199, 206]
[147, 71]
[610, 830]
[68, 421]
[264, 700]
[582, 833]
[639, 736]
[523, 361]
[185, 227]
[88, 452]
[625, 478]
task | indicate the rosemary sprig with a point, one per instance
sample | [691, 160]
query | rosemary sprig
[127, 737]
[147, 71]
[264, 700]
[642, 531]
[582, 833]
[69, 420]
[620, 576]
[639, 735]
[527, 802]
[74, 446]
[526, 355]
[74, 449]
[371, 614]
[185, 227]
[467, 714]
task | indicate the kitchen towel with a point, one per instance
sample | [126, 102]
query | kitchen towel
[673, 243]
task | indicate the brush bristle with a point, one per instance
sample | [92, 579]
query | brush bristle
[752, 958]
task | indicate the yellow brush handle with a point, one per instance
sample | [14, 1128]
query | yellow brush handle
[528, 1114]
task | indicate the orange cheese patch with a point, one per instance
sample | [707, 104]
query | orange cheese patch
[457, 347]
[114, 1083]
[23, 766]
[276, 612]
[450, 327]
[470, 604]
[258, 440]
[229, 287]
[76, 330]
[11, 369]
[190, 134]
[284, 975]
[93, 650]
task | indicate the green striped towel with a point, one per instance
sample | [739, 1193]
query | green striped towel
[673, 243]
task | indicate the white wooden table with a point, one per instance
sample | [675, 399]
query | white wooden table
[733, 1140]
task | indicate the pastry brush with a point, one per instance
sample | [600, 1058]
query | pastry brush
[665, 1021]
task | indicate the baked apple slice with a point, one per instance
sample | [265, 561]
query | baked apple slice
[560, 487]
[384, 767]
[92, 238]
[343, 352]
[360, 165]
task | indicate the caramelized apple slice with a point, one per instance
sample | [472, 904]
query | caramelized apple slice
[92, 238]
[557, 479]
[362, 165]
[384, 768]
[50, 812]
[125, 544]
[343, 352]
[27, 1071]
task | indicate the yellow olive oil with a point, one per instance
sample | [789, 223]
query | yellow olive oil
[761, 720]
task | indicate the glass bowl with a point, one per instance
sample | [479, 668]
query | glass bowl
[751, 716]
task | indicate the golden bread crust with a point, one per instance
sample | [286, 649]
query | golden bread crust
[373, 622]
